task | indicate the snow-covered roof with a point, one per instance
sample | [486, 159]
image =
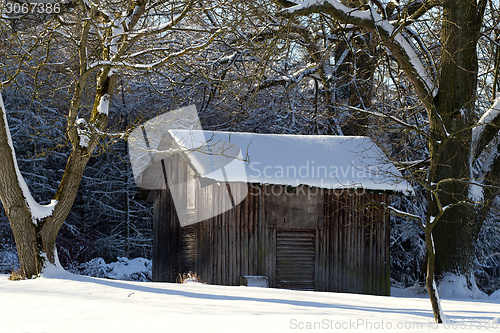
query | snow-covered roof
[332, 162]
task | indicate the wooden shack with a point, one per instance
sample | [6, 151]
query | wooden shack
[324, 228]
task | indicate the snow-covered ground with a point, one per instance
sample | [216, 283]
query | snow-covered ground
[63, 302]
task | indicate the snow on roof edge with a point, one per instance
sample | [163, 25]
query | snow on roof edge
[330, 162]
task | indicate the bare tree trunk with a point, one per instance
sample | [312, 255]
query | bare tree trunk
[65, 196]
[356, 75]
[430, 283]
[24, 232]
[452, 130]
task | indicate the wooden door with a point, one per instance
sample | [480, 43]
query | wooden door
[295, 259]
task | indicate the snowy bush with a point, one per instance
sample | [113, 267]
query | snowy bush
[453, 286]
[138, 269]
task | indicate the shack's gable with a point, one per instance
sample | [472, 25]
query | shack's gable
[330, 162]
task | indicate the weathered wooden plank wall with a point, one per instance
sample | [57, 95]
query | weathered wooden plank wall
[167, 239]
[350, 246]
[340, 232]
[353, 250]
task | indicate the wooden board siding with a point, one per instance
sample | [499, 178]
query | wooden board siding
[354, 245]
[347, 247]
[167, 235]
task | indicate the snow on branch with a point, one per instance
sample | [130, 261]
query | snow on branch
[372, 21]
[83, 133]
[152, 65]
[403, 213]
[284, 79]
[486, 129]
[389, 117]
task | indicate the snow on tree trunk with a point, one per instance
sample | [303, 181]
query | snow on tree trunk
[34, 226]
[23, 213]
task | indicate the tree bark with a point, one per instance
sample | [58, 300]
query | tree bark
[357, 76]
[430, 283]
[25, 236]
[65, 196]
